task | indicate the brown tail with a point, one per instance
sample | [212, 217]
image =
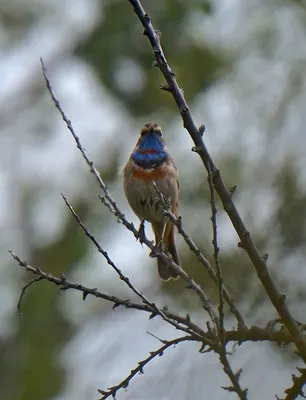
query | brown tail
[166, 272]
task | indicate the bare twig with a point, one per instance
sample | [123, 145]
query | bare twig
[234, 377]
[112, 391]
[157, 338]
[216, 257]
[277, 299]
[242, 393]
[24, 289]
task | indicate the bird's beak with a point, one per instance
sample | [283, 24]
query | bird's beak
[153, 132]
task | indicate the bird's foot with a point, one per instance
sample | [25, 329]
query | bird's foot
[158, 248]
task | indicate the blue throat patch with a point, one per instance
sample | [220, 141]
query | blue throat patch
[150, 142]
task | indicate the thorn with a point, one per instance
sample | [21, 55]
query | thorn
[153, 315]
[166, 88]
[202, 129]
[215, 174]
[232, 190]
[184, 110]
[228, 388]
[265, 257]
[154, 64]
[158, 34]
[238, 373]
[246, 237]
[195, 149]
[202, 348]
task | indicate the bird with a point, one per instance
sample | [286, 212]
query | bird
[150, 173]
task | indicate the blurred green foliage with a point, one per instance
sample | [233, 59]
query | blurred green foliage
[289, 214]
[118, 39]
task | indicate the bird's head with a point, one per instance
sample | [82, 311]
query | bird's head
[150, 150]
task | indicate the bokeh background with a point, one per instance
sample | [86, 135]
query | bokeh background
[242, 65]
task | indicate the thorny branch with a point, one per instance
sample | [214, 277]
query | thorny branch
[64, 285]
[246, 241]
[124, 278]
[216, 257]
[221, 350]
[207, 302]
[112, 391]
[253, 334]
[178, 222]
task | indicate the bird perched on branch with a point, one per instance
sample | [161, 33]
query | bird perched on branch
[149, 174]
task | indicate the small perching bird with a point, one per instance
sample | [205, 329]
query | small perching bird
[150, 169]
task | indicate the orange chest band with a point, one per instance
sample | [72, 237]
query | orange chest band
[149, 175]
